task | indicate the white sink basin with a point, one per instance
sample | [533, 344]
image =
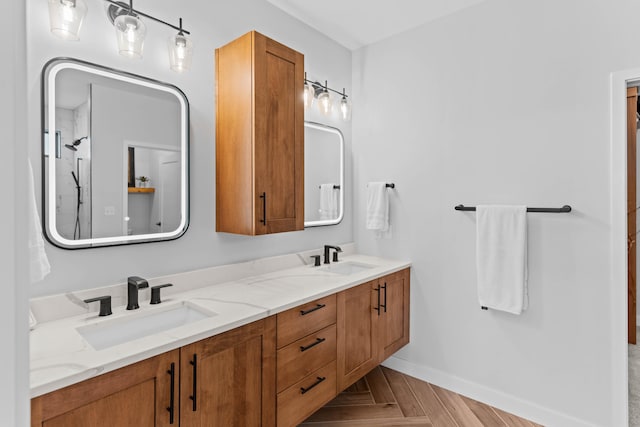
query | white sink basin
[347, 268]
[108, 333]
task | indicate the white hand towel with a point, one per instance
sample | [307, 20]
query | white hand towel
[377, 207]
[328, 201]
[501, 255]
[38, 261]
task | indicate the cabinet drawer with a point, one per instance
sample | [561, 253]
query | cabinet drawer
[304, 356]
[307, 396]
[305, 319]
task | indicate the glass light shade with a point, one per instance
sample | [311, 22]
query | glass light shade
[345, 109]
[180, 52]
[130, 32]
[309, 93]
[324, 102]
[65, 18]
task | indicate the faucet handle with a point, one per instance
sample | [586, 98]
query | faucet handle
[335, 255]
[155, 293]
[316, 262]
[105, 304]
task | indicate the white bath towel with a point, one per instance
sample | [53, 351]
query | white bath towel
[38, 261]
[377, 207]
[501, 255]
[328, 201]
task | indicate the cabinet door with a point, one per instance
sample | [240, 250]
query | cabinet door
[229, 380]
[138, 395]
[279, 137]
[394, 328]
[358, 315]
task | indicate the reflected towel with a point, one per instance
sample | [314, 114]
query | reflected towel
[501, 255]
[377, 207]
[38, 261]
[328, 202]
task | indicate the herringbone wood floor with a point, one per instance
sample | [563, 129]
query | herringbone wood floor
[386, 398]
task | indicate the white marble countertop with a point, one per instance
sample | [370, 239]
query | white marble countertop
[60, 356]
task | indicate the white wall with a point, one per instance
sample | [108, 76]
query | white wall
[505, 102]
[14, 383]
[212, 24]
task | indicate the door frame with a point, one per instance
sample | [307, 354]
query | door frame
[632, 180]
[619, 298]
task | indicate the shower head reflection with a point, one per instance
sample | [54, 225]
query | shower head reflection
[75, 143]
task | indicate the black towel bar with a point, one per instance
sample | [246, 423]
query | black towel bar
[392, 185]
[335, 187]
[564, 209]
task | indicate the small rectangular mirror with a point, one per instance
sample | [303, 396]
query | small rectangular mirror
[323, 175]
[120, 174]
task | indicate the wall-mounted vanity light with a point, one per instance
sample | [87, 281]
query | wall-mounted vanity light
[66, 17]
[322, 94]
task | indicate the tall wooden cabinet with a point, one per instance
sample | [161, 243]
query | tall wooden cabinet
[259, 137]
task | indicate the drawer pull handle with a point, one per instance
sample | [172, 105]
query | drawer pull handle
[171, 408]
[318, 381]
[378, 307]
[311, 310]
[194, 394]
[385, 297]
[263, 196]
[313, 344]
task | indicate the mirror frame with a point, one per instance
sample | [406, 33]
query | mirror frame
[48, 91]
[334, 130]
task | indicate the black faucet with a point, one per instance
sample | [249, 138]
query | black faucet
[105, 304]
[134, 283]
[327, 249]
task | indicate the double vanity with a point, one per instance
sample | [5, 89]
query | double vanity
[261, 343]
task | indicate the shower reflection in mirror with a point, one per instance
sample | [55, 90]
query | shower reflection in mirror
[120, 171]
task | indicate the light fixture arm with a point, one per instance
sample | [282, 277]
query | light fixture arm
[325, 87]
[137, 12]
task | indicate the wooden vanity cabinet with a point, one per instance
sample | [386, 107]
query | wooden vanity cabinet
[394, 316]
[144, 394]
[231, 383]
[306, 360]
[372, 324]
[229, 379]
[259, 137]
[275, 371]
[358, 331]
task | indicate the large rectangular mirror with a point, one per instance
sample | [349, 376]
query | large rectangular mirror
[323, 175]
[120, 171]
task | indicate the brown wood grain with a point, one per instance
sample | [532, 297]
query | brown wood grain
[259, 137]
[357, 322]
[485, 414]
[231, 378]
[294, 406]
[293, 363]
[235, 208]
[419, 404]
[293, 325]
[395, 329]
[128, 396]
[403, 393]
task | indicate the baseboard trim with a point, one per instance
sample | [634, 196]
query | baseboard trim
[508, 403]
